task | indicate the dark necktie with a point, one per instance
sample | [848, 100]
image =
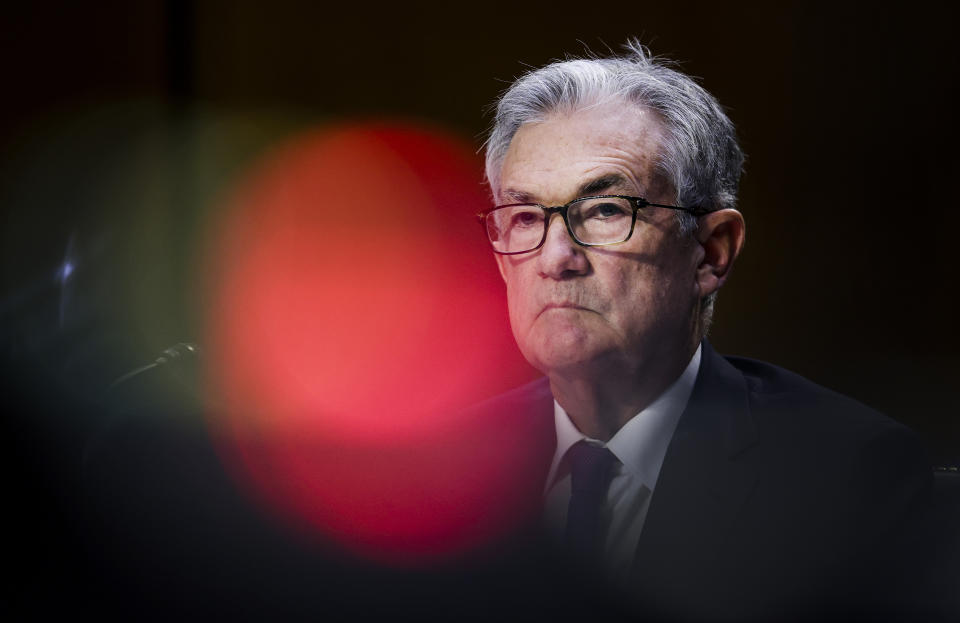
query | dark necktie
[590, 470]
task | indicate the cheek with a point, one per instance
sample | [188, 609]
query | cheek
[641, 297]
[518, 303]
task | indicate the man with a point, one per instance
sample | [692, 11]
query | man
[705, 487]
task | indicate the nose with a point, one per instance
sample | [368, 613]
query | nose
[560, 257]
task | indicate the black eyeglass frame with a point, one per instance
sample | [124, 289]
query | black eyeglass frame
[637, 202]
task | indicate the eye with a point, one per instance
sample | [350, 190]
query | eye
[606, 211]
[526, 218]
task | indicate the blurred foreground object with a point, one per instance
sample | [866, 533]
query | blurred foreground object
[354, 313]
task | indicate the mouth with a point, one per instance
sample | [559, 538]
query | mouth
[551, 306]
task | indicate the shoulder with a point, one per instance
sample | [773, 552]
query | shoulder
[765, 379]
[820, 431]
[805, 429]
[791, 400]
[522, 415]
[531, 398]
[519, 424]
[824, 481]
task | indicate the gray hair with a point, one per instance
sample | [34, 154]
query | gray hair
[700, 156]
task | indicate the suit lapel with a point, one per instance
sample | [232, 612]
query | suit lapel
[523, 421]
[708, 472]
[541, 427]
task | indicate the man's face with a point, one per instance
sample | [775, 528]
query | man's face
[576, 309]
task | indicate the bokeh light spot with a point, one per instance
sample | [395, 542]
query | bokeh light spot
[354, 312]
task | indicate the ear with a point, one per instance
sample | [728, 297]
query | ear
[721, 236]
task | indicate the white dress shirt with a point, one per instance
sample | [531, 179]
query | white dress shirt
[639, 446]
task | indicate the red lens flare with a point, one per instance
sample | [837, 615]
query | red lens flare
[355, 309]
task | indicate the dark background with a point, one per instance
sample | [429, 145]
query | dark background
[121, 124]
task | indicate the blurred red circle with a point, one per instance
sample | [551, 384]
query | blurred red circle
[355, 311]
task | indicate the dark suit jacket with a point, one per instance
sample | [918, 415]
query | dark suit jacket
[777, 499]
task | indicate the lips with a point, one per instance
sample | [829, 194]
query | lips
[560, 305]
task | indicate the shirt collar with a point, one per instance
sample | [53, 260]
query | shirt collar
[640, 444]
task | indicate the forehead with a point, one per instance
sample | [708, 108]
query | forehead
[551, 159]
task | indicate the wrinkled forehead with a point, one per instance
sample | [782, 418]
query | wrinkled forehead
[553, 158]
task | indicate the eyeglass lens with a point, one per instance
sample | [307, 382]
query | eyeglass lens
[606, 220]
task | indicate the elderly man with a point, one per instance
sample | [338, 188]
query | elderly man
[705, 486]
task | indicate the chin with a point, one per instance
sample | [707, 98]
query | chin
[556, 343]
[563, 365]
[558, 355]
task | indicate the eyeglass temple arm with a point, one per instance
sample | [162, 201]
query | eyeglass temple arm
[695, 210]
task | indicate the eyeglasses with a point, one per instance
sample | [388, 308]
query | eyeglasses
[591, 221]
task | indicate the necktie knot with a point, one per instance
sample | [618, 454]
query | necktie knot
[590, 468]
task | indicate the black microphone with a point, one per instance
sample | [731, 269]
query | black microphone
[164, 386]
[181, 351]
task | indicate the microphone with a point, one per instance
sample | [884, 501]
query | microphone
[138, 391]
[182, 351]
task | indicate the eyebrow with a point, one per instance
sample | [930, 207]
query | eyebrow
[596, 186]
[518, 196]
[602, 184]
